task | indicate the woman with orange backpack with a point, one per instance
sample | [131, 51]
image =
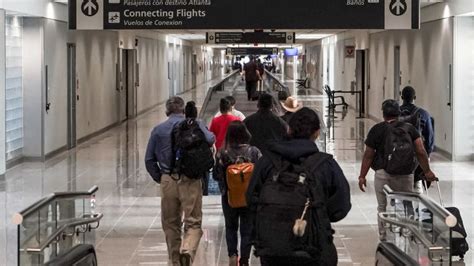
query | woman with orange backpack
[235, 163]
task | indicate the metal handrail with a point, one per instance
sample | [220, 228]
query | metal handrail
[212, 90]
[20, 216]
[449, 219]
[414, 230]
[53, 237]
[285, 87]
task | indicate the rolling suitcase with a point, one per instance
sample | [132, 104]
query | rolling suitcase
[459, 245]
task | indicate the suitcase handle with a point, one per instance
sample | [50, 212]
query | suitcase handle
[438, 188]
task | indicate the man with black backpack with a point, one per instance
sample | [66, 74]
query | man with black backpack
[423, 122]
[392, 150]
[295, 193]
[167, 161]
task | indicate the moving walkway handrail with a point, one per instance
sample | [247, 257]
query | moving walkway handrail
[53, 237]
[283, 86]
[211, 91]
[403, 224]
[20, 216]
[449, 219]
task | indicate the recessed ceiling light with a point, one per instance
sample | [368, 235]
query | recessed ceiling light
[311, 36]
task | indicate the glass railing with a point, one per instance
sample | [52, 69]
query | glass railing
[54, 225]
[228, 83]
[418, 226]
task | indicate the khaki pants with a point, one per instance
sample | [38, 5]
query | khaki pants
[181, 202]
[399, 183]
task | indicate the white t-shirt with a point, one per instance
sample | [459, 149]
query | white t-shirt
[234, 113]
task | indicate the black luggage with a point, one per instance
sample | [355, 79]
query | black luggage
[459, 245]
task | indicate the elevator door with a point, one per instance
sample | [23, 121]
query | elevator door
[128, 87]
[72, 96]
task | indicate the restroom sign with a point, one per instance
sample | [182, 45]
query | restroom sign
[350, 51]
[214, 15]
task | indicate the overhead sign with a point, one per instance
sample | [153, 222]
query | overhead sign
[252, 51]
[250, 37]
[243, 14]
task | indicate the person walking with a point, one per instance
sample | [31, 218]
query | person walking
[181, 196]
[392, 148]
[234, 111]
[237, 151]
[297, 186]
[264, 125]
[252, 76]
[290, 106]
[219, 124]
[424, 123]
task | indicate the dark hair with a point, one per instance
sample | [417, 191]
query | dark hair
[190, 110]
[304, 123]
[174, 105]
[231, 99]
[225, 106]
[408, 94]
[237, 133]
[283, 95]
[265, 101]
[391, 109]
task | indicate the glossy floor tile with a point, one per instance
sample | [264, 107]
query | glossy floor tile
[130, 232]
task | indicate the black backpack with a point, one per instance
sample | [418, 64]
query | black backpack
[412, 117]
[282, 201]
[193, 156]
[399, 150]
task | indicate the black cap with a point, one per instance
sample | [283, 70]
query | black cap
[390, 109]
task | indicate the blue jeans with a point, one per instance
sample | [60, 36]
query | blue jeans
[232, 217]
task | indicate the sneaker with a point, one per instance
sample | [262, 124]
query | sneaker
[233, 261]
[185, 259]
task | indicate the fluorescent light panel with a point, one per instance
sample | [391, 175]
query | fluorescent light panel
[311, 36]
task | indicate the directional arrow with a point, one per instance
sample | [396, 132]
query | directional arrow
[90, 7]
[398, 7]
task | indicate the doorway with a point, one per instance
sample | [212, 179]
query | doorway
[71, 96]
[194, 71]
[128, 88]
[397, 74]
[361, 78]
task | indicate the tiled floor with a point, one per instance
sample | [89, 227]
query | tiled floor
[130, 232]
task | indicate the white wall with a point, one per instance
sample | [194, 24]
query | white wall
[153, 73]
[55, 57]
[96, 58]
[37, 8]
[463, 102]
[33, 78]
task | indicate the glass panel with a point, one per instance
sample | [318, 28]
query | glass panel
[14, 86]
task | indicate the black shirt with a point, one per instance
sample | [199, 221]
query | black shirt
[376, 140]
[251, 71]
[265, 127]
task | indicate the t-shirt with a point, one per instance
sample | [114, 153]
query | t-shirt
[219, 127]
[251, 71]
[376, 140]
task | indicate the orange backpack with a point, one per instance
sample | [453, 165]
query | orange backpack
[238, 178]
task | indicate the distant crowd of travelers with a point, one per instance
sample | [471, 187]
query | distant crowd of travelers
[279, 191]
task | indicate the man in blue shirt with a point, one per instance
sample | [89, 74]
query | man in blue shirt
[425, 128]
[179, 194]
